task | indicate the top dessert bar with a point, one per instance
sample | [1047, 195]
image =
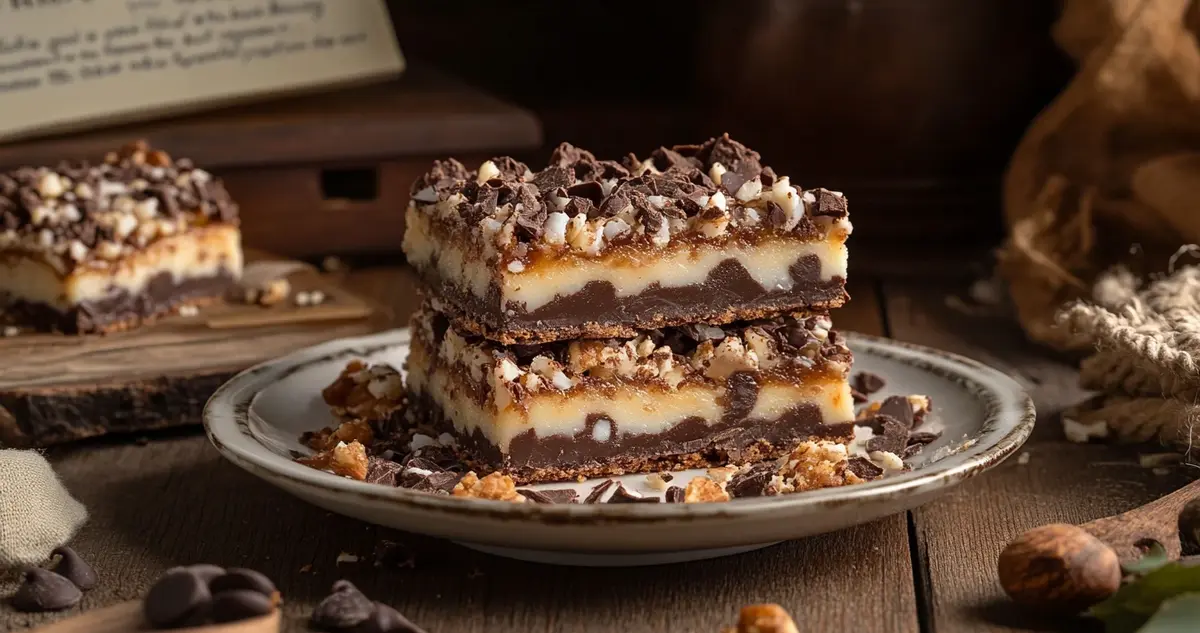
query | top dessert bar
[600, 248]
[101, 247]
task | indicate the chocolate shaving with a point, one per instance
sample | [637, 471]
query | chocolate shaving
[674, 495]
[868, 382]
[623, 495]
[556, 495]
[599, 490]
[864, 469]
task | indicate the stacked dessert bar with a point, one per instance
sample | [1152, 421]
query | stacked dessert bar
[598, 317]
[103, 247]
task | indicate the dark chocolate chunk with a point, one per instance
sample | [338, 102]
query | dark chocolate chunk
[674, 495]
[899, 408]
[72, 567]
[204, 571]
[735, 157]
[177, 598]
[922, 437]
[580, 205]
[623, 495]
[668, 159]
[741, 392]
[868, 382]
[830, 205]
[592, 191]
[238, 578]
[857, 396]
[666, 477]
[385, 619]
[423, 463]
[240, 604]
[731, 181]
[892, 437]
[598, 492]
[768, 177]
[382, 471]
[754, 482]
[43, 590]
[440, 482]
[864, 469]
[553, 178]
[614, 204]
[556, 495]
[776, 215]
[911, 450]
[342, 609]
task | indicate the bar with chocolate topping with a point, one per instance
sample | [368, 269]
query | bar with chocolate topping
[677, 397]
[103, 247]
[600, 248]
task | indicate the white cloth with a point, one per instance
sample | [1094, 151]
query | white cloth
[37, 514]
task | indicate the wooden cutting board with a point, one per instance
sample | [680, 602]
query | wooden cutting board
[56, 388]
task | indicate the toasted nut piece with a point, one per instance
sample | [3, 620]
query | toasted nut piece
[704, 490]
[274, 292]
[494, 486]
[347, 460]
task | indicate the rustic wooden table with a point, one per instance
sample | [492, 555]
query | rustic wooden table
[173, 500]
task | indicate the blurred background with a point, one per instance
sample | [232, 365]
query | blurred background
[912, 107]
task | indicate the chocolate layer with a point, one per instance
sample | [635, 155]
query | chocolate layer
[729, 293]
[689, 444]
[120, 308]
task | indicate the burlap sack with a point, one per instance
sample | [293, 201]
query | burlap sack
[1112, 163]
[37, 514]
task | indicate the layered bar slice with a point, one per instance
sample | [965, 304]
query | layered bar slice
[596, 248]
[102, 247]
[678, 397]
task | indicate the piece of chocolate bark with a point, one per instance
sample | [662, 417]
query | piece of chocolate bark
[595, 248]
[103, 247]
[672, 398]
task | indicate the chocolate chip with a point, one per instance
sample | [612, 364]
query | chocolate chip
[382, 471]
[754, 482]
[240, 604]
[204, 571]
[72, 567]
[857, 396]
[238, 579]
[623, 495]
[178, 597]
[899, 408]
[830, 205]
[342, 609]
[43, 590]
[553, 178]
[868, 382]
[674, 495]
[557, 495]
[385, 619]
[894, 436]
[599, 490]
[864, 469]
[741, 390]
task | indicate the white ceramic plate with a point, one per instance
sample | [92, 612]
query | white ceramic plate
[256, 418]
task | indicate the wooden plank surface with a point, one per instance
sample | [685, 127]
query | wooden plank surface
[175, 501]
[958, 537]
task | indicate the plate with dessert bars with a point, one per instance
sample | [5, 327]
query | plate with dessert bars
[621, 363]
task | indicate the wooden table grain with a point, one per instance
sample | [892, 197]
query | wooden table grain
[172, 500]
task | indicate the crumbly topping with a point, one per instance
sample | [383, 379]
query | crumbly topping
[669, 356]
[495, 486]
[349, 431]
[704, 490]
[582, 205]
[813, 465]
[345, 460]
[79, 212]
[365, 392]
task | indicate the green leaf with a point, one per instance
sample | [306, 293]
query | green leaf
[1154, 558]
[1137, 601]
[1180, 614]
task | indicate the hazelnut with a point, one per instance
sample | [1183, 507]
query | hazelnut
[765, 618]
[1059, 567]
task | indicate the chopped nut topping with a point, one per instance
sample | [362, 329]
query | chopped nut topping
[369, 393]
[704, 490]
[495, 486]
[346, 460]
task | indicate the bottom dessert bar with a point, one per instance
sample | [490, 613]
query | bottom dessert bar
[675, 398]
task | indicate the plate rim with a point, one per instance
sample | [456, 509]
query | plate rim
[228, 410]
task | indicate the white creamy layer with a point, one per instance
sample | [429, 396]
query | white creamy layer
[634, 411]
[768, 263]
[196, 254]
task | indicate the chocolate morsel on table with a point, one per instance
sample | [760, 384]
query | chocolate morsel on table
[72, 567]
[43, 590]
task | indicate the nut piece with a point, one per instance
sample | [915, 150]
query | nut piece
[364, 392]
[764, 618]
[346, 460]
[274, 292]
[495, 486]
[1059, 567]
[704, 490]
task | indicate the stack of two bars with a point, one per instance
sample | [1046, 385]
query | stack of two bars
[600, 317]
